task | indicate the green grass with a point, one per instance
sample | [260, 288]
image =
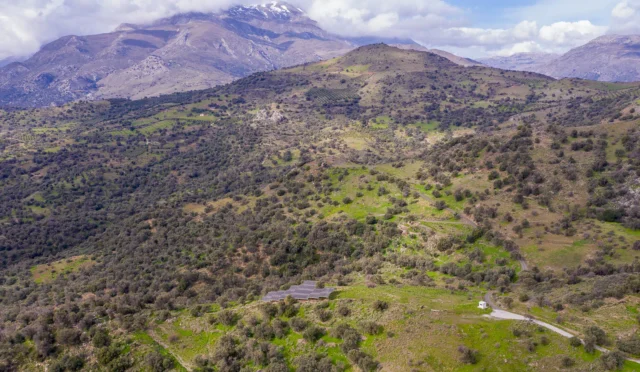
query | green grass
[188, 337]
[37, 197]
[165, 124]
[429, 324]
[39, 210]
[427, 127]
[563, 256]
[356, 141]
[482, 104]
[408, 171]
[381, 122]
[47, 273]
[123, 133]
[357, 68]
[145, 339]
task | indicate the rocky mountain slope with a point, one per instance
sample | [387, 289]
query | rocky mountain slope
[184, 52]
[520, 61]
[607, 58]
[142, 235]
[181, 53]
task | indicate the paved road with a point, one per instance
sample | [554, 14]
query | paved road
[523, 264]
[498, 313]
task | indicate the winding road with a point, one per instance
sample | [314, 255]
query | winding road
[499, 313]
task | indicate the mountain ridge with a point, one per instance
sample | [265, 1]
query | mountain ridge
[143, 235]
[612, 58]
[187, 51]
[520, 61]
[609, 58]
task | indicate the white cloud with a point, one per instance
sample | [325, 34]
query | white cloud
[625, 17]
[525, 30]
[526, 36]
[623, 10]
[27, 24]
[381, 17]
[551, 11]
[522, 47]
[570, 33]
[548, 25]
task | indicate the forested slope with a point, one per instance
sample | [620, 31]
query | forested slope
[140, 235]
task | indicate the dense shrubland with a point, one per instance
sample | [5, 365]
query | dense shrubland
[178, 213]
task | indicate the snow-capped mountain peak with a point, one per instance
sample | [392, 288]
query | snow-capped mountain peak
[271, 10]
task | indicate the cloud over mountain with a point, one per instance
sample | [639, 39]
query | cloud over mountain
[29, 24]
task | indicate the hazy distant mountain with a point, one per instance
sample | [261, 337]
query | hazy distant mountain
[607, 58]
[521, 61]
[462, 61]
[6, 61]
[180, 53]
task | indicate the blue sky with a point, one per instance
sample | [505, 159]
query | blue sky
[497, 13]
[490, 13]
[472, 28]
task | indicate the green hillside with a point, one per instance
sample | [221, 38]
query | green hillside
[141, 235]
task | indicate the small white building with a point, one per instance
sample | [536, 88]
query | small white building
[482, 305]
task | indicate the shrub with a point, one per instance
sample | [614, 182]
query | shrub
[350, 337]
[313, 363]
[269, 310]
[197, 311]
[101, 338]
[467, 355]
[69, 336]
[344, 311]
[544, 340]
[612, 361]
[363, 360]
[575, 342]
[298, 324]
[313, 333]
[371, 328]
[108, 354]
[630, 345]
[324, 315]
[589, 345]
[288, 307]
[531, 346]
[228, 317]
[68, 363]
[597, 334]
[379, 305]
[159, 363]
[568, 362]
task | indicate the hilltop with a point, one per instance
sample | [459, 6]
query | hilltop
[141, 235]
[181, 53]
